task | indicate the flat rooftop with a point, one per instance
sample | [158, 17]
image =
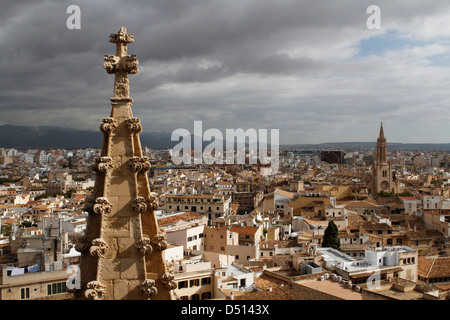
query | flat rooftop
[335, 254]
[395, 248]
[333, 288]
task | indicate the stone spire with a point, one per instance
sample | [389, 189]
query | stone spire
[381, 135]
[381, 147]
[122, 252]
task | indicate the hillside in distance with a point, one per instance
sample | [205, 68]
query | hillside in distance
[354, 146]
[46, 137]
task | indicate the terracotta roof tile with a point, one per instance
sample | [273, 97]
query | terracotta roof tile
[165, 221]
[376, 226]
[423, 234]
[244, 230]
[280, 290]
[433, 267]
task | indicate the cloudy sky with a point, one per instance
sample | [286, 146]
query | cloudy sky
[310, 68]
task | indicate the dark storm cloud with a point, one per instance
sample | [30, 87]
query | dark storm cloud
[254, 63]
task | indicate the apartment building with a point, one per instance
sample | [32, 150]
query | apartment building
[281, 200]
[382, 234]
[48, 285]
[438, 220]
[213, 206]
[387, 262]
[232, 278]
[430, 201]
[312, 205]
[411, 205]
[248, 244]
[246, 196]
[191, 238]
[217, 239]
[195, 280]
[185, 229]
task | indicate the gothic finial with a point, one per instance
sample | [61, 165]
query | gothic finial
[122, 36]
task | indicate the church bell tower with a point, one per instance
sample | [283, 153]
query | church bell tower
[382, 176]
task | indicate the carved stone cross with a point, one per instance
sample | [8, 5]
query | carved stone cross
[121, 64]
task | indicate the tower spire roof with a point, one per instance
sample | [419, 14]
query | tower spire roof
[122, 252]
[381, 136]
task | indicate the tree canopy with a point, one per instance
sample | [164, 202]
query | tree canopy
[330, 237]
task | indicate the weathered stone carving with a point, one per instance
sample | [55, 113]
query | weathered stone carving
[121, 36]
[139, 204]
[144, 246]
[159, 241]
[153, 201]
[95, 290]
[111, 63]
[148, 288]
[121, 85]
[82, 244]
[170, 268]
[139, 164]
[103, 164]
[102, 206]
[98, 248]
[131, 64]
[108, 125]
[88, 203]
[134, 125]
[167, 281]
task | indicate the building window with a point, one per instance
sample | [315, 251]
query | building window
[24, 293]
[56, 288]
[206, 280]
[182, 284]
[237, 257]
[194, 283]
[206, 295]
[195, 297]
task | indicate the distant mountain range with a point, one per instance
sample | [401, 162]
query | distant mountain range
[22, 137]
[392, 146]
